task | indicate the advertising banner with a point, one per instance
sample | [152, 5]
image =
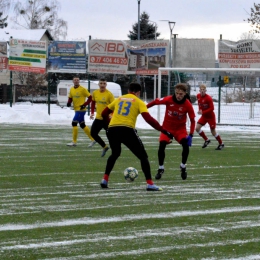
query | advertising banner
[121, 57]
[3, 56]
[241, 54]
[67, 57]
[27, 56]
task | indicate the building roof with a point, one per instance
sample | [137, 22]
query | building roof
[35, 34]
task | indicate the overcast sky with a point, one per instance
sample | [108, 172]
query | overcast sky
[112, 19]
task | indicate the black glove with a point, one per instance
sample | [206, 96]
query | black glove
[68, 104]
[82, 107]
[167, 133]
[189, 139]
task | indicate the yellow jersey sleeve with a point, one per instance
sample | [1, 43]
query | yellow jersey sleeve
[78, 96]
[102, 99]
[126, 109]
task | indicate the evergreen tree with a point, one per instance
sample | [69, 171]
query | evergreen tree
[147, 29]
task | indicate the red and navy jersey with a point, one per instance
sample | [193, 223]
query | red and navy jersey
[175, 113]
[206, 105]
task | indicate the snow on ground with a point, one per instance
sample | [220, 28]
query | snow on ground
[29, 113]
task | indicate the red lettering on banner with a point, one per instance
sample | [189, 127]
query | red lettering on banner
[107, 60]
[114, 47]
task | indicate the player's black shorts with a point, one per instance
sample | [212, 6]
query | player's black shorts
[128, 136]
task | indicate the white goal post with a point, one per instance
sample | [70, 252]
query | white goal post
[180, 70]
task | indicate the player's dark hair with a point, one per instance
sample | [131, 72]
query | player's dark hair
[134, 87]
[102, 79]
[76, 77]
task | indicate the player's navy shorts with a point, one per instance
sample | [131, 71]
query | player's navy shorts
[79, 116]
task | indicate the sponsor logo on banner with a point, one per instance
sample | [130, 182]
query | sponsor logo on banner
[242, 54]
[118, 57]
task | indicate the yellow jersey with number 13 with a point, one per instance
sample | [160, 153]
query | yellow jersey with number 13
[126, 109]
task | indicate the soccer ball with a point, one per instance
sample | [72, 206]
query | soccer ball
[130, 174]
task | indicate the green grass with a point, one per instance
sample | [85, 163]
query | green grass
[53, 208]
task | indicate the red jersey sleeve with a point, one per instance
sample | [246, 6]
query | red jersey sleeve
[93, 105]
[88, 100]
[157, 101]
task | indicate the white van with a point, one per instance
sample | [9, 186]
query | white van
[64, 86]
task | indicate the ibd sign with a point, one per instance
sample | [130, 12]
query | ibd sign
[105, 47]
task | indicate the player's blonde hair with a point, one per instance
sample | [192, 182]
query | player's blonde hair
[203, 86]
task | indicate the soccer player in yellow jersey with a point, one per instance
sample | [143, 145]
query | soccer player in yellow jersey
[78, 95]
[121, 130]
[100, 99]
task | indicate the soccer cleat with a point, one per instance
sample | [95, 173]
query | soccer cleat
[104, 151]
[159, 174]
[220, 147]
[71, 144]
[103, 184]
[206, 143]
[183, 173]
[153, 187]
[92, 143]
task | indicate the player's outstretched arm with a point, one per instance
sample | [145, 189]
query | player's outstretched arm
[155, 124]
[152, 103]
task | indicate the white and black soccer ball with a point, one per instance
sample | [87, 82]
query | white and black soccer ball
[130, 174]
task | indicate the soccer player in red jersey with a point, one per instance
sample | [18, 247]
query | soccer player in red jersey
[178, 106]
[121, 130]
[206, 110]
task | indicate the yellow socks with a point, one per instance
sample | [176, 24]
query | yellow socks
[75, 134]
[87, 132]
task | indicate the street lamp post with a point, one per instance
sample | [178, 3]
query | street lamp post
[171, 26]
[138, 32]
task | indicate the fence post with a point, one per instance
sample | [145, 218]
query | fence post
[220, 83]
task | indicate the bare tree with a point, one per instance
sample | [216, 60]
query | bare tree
[37, 14]
[4, 7]
[35, 83]
[40, 14]
[248, 35]
[254, 18]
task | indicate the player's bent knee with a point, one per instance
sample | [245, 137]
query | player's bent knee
[74, 123]
[82, 125]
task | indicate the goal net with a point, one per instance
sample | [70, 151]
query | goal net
[235, 92]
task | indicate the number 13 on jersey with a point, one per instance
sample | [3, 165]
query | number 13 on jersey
[124, 108]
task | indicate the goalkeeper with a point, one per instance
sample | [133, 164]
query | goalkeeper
[178, 106]
[78, 95]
